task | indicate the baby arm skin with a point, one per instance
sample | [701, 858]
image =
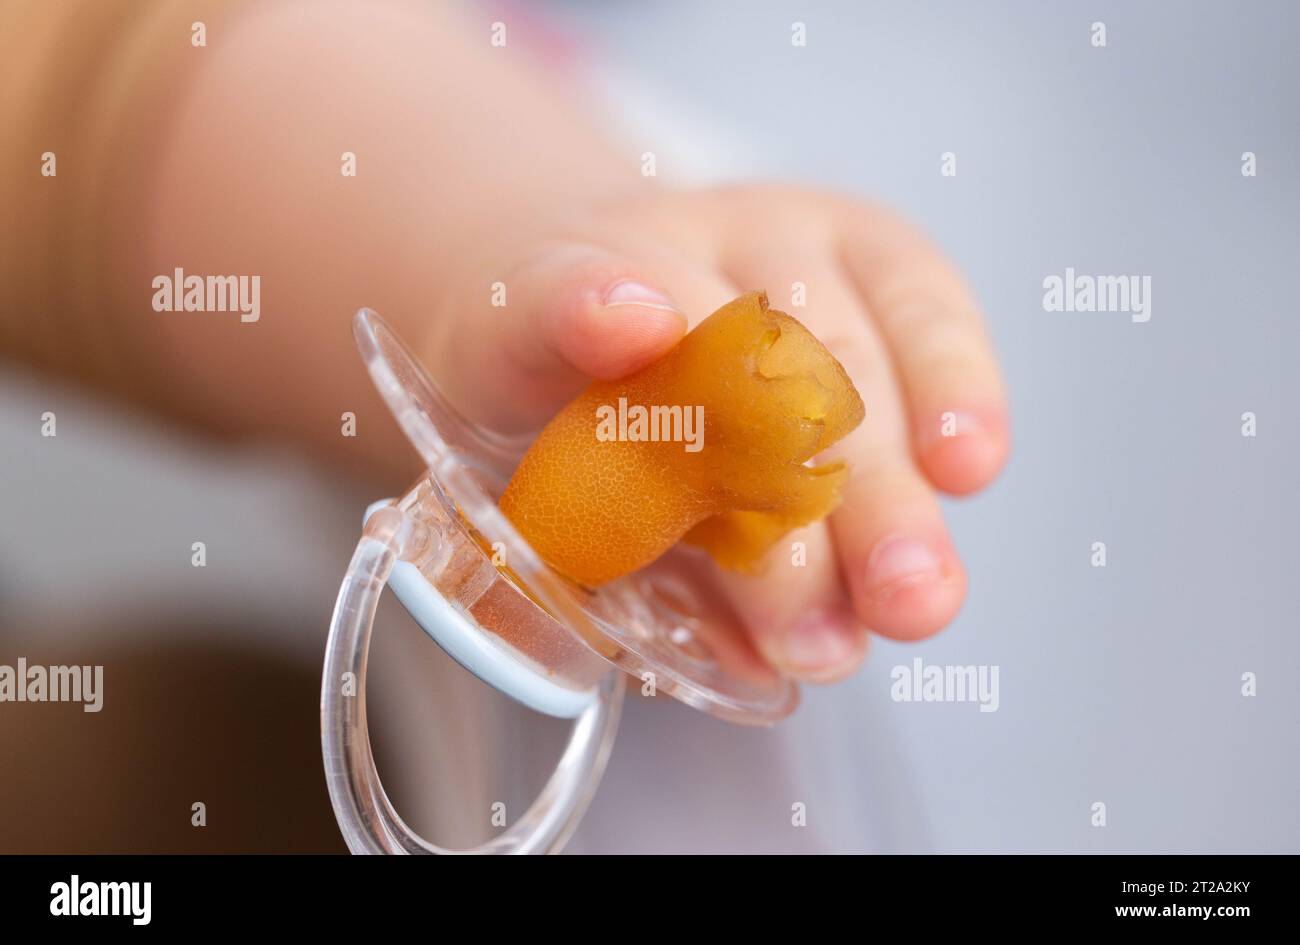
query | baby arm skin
[228, 159]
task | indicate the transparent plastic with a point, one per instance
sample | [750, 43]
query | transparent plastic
[499, 609]
[665, 623]
[366, 817]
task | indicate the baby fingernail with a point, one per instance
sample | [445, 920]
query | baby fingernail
[901, 562]
[819, 642]
[630, 292]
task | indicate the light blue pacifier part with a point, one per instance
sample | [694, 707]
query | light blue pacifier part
[469, 646]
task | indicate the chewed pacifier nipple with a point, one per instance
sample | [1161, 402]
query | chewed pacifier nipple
[484, 593]
[532, 631]
[710, 445]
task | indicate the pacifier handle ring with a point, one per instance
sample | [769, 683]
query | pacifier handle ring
[366, 817]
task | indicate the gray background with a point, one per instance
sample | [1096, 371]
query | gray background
[1118, 684]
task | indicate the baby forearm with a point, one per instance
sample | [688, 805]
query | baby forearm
[345, 155]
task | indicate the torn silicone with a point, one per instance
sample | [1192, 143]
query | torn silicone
[664, 625]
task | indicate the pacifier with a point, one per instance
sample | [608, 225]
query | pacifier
[477, 588]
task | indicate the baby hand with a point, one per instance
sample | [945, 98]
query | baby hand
[607, 292]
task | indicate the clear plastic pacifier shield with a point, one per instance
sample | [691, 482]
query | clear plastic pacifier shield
[476, 586]
[664, 620]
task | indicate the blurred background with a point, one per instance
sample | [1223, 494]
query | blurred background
[1119, 685]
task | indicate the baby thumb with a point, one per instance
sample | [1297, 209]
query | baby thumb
[568, 314]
